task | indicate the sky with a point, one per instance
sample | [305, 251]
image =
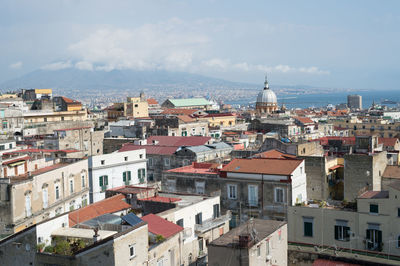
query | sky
[349, 44]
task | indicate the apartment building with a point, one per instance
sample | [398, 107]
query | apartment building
[29, 198]
[117, 169]
[256, 242]
[370, 225]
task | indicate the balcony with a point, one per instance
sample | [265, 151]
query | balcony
[211, 223]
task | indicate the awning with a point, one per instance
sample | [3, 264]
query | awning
[17, 163]
[335, 167]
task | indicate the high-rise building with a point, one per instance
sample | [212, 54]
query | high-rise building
[354, 102]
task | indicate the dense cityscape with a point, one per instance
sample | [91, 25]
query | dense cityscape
[199, 133]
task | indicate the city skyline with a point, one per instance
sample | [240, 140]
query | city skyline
[336, 45]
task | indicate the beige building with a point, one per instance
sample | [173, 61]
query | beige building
[34, 117]
[83, 139]
[33, 197]
[372, 225]
[134, 107]
[368, 126]
[257, 242]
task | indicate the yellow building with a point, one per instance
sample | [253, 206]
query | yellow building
[219, 120]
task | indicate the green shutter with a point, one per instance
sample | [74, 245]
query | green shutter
[129, 175]
[105, 180]
[101, 181]
[143, 173]
[336, 232]
[124, 176]
[308, 229]
[139, 173]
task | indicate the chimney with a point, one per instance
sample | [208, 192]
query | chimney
[96, 235]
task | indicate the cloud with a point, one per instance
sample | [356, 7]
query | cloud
[226, 65]
[57, 65]
[83, 65]
[16, 65]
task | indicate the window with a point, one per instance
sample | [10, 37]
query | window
[199, 187]
[84, 200]
[259, 251]
[83, 180]
[199, 218]
[301, 170]
[232, 191]
[342, 231]
[28, 208]
[374, 208]
[102, 162]
[279, 195]
[72, 205]
[57, 192]
[398, 241]
[132, 251]
[126, 158]
[216, 212]
[308, 226]
[160, 262]
[398, 212]
[10, 146]
[141, 156]
[166, 162]
[126, 177]
[267, 247]
[45, 119]
[253, 195]
[201, 245]
[180, 222]
[150, 161]
[141, 175]
[103, 182]
[71, 186]
[45, 197]
[374, 237]
[2, 148]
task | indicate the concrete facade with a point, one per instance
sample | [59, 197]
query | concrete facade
[120, 168]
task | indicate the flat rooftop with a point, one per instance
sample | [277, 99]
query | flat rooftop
[263, 229]
[81, 233]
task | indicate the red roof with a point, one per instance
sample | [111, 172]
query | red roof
[324, 141]
[375, 195]
[263, 166]
[197, 168]
[179, 141]
[304, 120]
[162, 199]
[274, 154]
[160, 226]
[152, 101]
[108, 205]
[388, 142]
[150, 149]
[68, 100]
[186, 118]
[322, 262]
[17, 160]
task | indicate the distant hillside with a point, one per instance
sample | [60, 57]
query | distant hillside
[84, 80]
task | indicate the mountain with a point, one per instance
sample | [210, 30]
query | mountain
[85, 80]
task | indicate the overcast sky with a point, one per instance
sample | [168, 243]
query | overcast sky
[322, 43]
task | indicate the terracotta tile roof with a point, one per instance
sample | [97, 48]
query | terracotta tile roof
[274, 154]
[304, 120]
[179, 111]
[150, 149]
[161, 199]
[152, 101]
[263, 166]
[69, 101]
[186, 118]
[375, 195]
[388, 142]
[324, 141]
[160, 226]
[179, 141]
[392, 171]
[108, 205]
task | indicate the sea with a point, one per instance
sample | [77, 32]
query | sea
[324, 99]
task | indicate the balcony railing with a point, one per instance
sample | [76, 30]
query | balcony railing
[211, 223]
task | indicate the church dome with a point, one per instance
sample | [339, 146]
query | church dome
[266, 96]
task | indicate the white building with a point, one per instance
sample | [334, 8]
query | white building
[114, 170]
